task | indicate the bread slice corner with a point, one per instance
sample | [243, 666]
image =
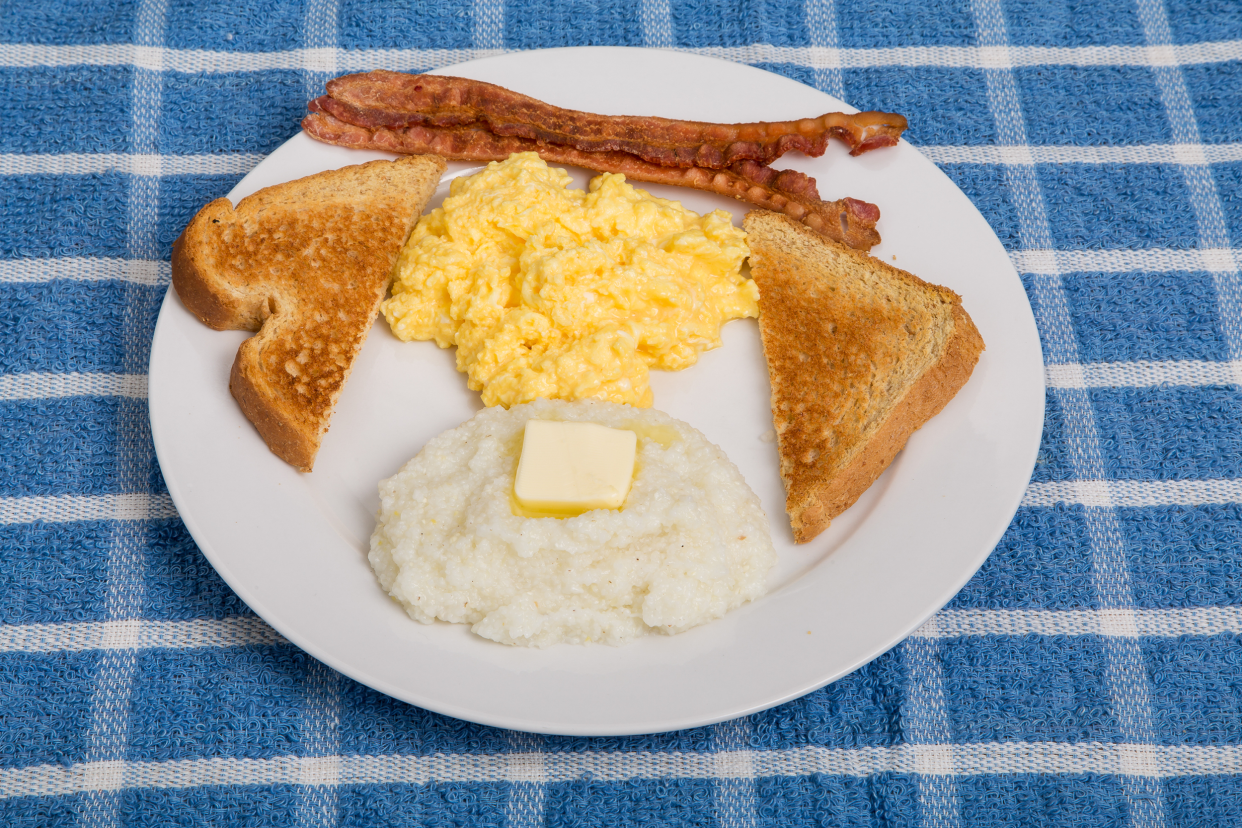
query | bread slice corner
[305, 264]
[860, 355]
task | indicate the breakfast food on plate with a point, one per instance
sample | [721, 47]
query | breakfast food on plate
[305, 264]
[382, 98]
[860, 354]
[550, 291]
[689, 544]
[846, 220]
[471, 120]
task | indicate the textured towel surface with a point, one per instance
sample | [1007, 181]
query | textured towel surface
[1089, 675]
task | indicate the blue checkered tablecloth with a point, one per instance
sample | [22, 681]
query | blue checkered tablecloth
[1089, 675]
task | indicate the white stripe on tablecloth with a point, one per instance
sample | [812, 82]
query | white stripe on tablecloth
[1213, 235]
[656, 19]
[240, 163]
[137, 634]
[979, 57]
[1133, 494]
[1142, 374]
[34, 385]
[197, 61]
[1204, 198]
[150, 164]
[319, 41]
[142, 634]
[487, 27]
[821, 28]
[1026, 154]
[68, 508]
[138, 271]
[1124, 667]
[317, 804]
[526, 772]
[320, 740]
[734, 779]
[1034, 261]
[202, 61]
[1130, 494]
[988, 758]
[925, 723]
[107, 736]
[1050, 262]
[1148, 623]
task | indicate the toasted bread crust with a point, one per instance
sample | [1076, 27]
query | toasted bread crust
[306, 264]
[296, 446]
[860, 355]
[192, 278]
[823, 502]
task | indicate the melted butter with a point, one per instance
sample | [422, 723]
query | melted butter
[522, 510]
[661, 434]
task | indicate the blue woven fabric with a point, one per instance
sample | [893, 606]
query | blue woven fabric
[1089, 675]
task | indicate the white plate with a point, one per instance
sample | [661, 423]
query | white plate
[293, 546]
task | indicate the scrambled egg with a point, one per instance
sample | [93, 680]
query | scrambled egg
[554, 292]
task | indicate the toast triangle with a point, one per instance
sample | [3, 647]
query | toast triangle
[860, 355]
[306, 265]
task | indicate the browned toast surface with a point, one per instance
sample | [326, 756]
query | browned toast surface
[860, 355]
[305, 264]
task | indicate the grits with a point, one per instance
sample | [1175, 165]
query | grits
[550, 291]
[690, 543]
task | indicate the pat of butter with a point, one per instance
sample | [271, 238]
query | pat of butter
[569, 468]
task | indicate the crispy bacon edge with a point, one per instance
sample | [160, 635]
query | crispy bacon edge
[848, 221]
[397, 100]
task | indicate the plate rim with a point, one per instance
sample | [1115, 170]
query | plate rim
[447, 707]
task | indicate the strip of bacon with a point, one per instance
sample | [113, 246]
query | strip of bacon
[396, 100]
[791, 182]
[849, 221]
